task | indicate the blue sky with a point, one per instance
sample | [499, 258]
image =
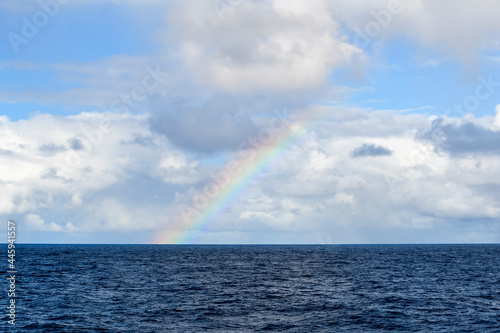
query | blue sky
[206, 76]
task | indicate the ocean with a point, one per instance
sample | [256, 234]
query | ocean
[257, 288]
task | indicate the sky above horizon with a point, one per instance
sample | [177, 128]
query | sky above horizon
[250, 121]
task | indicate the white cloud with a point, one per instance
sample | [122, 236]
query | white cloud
[416, 187]
[43, 170]
[497, 117]
[460, 28]
[36, 223]
[115, 215]
[178, 169]
[133, 180]
[261, 45]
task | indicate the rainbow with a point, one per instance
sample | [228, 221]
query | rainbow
[267, 153]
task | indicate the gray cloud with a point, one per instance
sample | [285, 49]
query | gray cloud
[141, 140]
[75, 144]
[465, 138]
[370, 149]
[7, 152]
[52, 149]
[217, 125]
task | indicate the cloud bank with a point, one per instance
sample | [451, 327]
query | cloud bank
[134, 174]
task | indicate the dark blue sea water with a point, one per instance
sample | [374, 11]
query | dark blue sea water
[326, 288]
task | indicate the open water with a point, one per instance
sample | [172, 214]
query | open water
[325, 288]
